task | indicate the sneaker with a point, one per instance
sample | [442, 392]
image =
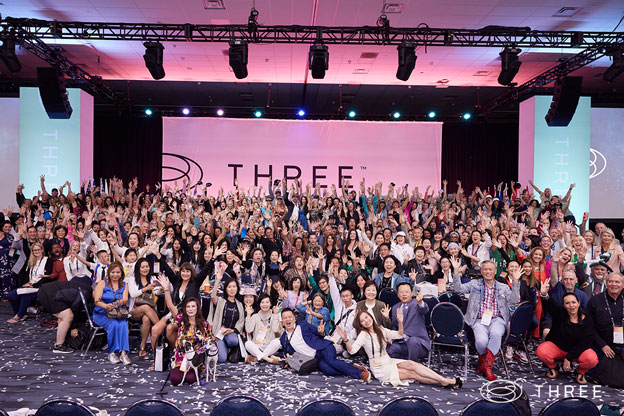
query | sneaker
[31, 310]
[113, 358]
[509, 352]
[125, 359]
[522, 357]
[62, 349]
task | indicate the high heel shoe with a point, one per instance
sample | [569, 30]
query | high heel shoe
[457, 385]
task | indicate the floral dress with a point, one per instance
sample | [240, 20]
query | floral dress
[196, 336]
[6, 264]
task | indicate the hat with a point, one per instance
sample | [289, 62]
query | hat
[602, 263]
[496, 199]
[400, 233]
[488, 196]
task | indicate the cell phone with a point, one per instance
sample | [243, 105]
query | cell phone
[196, 222]
[392, 183]
[156, 267]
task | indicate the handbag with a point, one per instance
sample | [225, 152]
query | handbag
[302, 364]
[118, 312]
[147, 298]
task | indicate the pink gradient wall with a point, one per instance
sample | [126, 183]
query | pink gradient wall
[318, 151]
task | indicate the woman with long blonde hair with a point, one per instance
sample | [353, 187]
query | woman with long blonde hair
[608, 244]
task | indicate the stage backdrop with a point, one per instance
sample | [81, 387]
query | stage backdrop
[321, 152]
[9, 150]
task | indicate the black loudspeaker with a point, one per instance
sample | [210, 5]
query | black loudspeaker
[53, 93]
[564, 102]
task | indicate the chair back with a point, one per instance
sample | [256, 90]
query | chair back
[85, 305]
[484, 407]
[389, 297]
[451, 297]
[408, 406]
[240, 405]
[63, 407]
[153, 407]
[571, 406]
[447, 319]
[520, 321]
[329, 407]
[431, 302]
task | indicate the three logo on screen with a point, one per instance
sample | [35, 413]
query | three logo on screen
[597, 163]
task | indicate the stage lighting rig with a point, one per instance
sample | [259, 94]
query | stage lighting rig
[252, 23]
[238, 58]
[318, 59]
[510, 64]
[407, 60]
[7, 53]
[154, 59]
[617, 67]
[383, 23]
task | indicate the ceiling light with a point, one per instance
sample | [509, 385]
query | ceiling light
[301, 113]
[7, 54]
[318, 60]
[466, 116]
[220, 112]
[186, 111]
[510, 64]
[407, 60]
[257, 113]
[154, 59]
[238, 58]
[616, 68]
[148, 112]
[352, 114]
[431, 114]
[396, 115]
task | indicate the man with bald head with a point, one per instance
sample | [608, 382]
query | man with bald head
[607, 311]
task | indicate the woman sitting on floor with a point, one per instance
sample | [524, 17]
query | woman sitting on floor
[263, 328]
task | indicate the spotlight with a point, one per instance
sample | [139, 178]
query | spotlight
[257, 113]
[318, 60]
[396, 115]
[407, 60]
[154, 59]
[431, 114]
[616, 68]
[186, 111]
[352, 114]
[238, 58]
[148, 112]
[220, 112]
[510, 64]
[466, 116]
[301, 113]
[252, 21]
[7, 54]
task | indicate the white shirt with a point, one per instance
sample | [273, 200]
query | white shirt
[402, 252]
[298, 344]
[75, 268]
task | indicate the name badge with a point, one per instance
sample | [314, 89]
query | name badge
[486, 319]
[441, 285]
[618, 335]
[262, 332]
[11, 252]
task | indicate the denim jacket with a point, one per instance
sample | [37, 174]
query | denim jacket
[505, 297]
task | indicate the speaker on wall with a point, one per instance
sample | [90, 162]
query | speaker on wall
[53, 93]
[564, 101]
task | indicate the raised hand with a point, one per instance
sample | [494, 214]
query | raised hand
[385, 312]
[321, 327]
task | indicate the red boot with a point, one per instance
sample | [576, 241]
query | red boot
[481, 365]
[489, 362]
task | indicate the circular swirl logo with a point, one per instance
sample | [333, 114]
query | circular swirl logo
[597, 163]
[501, 391]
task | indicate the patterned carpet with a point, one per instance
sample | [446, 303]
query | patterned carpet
[32, 374]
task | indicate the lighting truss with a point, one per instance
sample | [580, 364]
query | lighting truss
[365, 35]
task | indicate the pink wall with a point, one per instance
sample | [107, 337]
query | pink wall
[322, 151]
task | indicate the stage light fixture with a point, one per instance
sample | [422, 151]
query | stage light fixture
[238, 58]
[466, 116]
[407, 60]
[617, 67]
[148, 112]
[220, 112]
[318, 60]
[396, 115]
[510, 65]
[301, 113]
[154, 59]
[257, 113]
[186, 111]
[431, 114]
[352, 114]
[7, 54]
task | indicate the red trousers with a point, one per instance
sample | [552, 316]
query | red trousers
[548, 353]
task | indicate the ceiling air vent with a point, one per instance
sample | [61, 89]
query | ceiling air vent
[360, 71]
[481, 74]
[567, 11]
[213, 4]
[393, 7]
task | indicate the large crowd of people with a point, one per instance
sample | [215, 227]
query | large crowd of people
[295, 273]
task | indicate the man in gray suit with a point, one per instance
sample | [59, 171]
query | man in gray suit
[415, 343]
[23, 243]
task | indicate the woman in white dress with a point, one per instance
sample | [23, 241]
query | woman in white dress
[372, 338]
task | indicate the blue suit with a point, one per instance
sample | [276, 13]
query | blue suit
[325, 352]
[416, 344]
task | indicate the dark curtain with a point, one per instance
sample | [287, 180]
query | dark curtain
[127, 147]
[479, 154]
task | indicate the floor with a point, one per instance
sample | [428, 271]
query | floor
[32, 374]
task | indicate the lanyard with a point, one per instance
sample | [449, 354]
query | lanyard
[35, 269]
[288, 338]
[372, 344]
[609, 309]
